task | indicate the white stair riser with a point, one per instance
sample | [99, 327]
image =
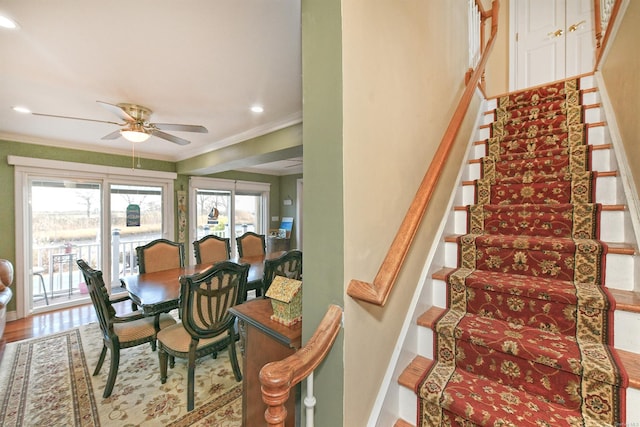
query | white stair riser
[408, 402]
[627, 325]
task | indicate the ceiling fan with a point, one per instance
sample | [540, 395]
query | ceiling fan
[136, 126]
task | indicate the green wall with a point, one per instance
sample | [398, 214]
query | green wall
[323, 227]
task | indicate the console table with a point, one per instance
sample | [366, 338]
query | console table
[263, 341]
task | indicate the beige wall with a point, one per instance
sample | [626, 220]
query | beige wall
[497, 70]
[403, 72]
[620, 73]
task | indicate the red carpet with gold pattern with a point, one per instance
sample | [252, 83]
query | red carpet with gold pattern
[526, 337]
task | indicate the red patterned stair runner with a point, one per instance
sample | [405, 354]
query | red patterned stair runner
[526, 339]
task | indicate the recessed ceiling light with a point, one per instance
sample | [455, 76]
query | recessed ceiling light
[257, 109]
[23, 110]
[6, 22]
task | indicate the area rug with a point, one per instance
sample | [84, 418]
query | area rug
[48, 382]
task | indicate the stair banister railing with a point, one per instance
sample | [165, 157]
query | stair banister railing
[605, 14]
[378, 291]
[279, 377]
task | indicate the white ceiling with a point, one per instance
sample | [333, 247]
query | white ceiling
[200, 62]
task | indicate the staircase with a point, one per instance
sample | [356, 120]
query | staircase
[492, 228]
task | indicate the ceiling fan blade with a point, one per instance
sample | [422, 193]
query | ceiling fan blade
[113, 135]
[180, 128]
[117, 110]
[169, 137]
[77, 118]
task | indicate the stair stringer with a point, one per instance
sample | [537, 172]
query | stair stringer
[412, 341]
[626, 181]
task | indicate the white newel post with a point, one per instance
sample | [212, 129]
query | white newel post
[310, 401]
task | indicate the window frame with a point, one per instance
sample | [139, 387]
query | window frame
[235, 187]
[25, 168]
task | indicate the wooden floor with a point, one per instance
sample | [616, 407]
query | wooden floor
[51, 322]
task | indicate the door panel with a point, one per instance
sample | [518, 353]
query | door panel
[547, 48]
[580, 38]
[539, 52]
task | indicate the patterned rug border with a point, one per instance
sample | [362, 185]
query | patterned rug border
[69, 397]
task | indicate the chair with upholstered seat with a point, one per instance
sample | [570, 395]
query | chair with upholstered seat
[160, 254]
[287, 265]
[251, 244]
[207, 326]
[118, 332]
[212, 249]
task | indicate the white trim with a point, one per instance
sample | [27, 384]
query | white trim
[228, 184]
[626, 177]
[73, 168]
[197, 182]
[299, 210]
[513, 6]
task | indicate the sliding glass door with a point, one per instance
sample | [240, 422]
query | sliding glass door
[227, 208]
[69, 211]
[136, 219]
[65, 222]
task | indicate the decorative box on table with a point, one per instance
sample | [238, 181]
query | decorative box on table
[286, 300]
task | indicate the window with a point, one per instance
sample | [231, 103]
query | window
[218, 206]
[66, 211]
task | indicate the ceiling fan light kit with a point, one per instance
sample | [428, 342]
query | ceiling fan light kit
[136, 126]
[135, 133]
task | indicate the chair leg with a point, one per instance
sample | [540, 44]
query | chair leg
[113, 372]
[232, 355]
[190, 380]
[44, 288]
[162, 358]
[103, 353]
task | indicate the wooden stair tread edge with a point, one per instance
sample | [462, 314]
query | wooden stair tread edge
[402, 423]
[631, 363]
[414, 372]
[626, 300]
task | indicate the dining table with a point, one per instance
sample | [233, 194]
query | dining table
[159, 291]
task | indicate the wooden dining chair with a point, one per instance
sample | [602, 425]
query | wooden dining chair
[207, 326]
[251, 244]
[160, 254]
[212, 249]
[118, 332]
[287, 265]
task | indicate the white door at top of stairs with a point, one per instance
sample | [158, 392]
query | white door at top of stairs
[550, 40]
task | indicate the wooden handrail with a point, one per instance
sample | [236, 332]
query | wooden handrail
[378, 291]
[278, 378]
